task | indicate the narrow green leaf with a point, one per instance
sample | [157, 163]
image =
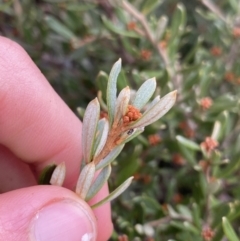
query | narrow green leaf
[112, 89]
[188, 154]
[196, 215]
[116, 29]
[118, 191]
[101, 101]
[185, 226]
[144, 93]
[188, 143]
[216, 130]
[161, 27]
[80, 7]
[110, 157]
[228, 230]
[85, 180]
[90, 122]
[150, 5]
[59, 28]
[99, 182]
[102, 82]
[178, 20]
[234, 4]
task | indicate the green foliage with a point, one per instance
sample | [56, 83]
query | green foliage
[183, 181]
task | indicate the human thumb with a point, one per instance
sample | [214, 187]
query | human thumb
[45, 213]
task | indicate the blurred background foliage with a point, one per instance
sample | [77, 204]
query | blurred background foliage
[186, 166]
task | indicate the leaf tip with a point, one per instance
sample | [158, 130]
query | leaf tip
[58, 175]
[174, 93]
[120, 60]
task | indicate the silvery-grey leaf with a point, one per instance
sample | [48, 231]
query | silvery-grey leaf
[101, 136]
[132, 95]
[129, 135]
[112, 89]
[121, 104]
[118, 191]
[85, 180]
[156, 111]
[144, 93]
[90, 121]
[110, 157]
[161, 26]
[152, 103]
[58, 175]
[99, 182]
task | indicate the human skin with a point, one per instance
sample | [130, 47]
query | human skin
[38, 129]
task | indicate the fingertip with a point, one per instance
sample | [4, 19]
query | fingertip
[45, 213]
[63, 220]
[14, 173]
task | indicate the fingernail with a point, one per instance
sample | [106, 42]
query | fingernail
[63, 220]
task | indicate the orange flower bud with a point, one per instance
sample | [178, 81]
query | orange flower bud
[131, 26]
[145, 54]
[154, 139]
[207, 233]
[132, 114]
[216, 51]
[236, 32]
[209, 144]
[206, 103]
[123, 237]
[178, 159]
[229, 76]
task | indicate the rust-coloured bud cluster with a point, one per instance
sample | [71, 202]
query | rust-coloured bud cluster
[145, 178]
[209, 144]
[177, 198]
[178, 159]
[131, 26]
[232, 78]
[145, 54]
[163, 44]
[149, 239]
[206, 103]
[154, 139]
[187, 130]
[236, 32]
[229, 76]
[123, 237]
[132, 114]
[207, 233]
[238, 80]
[204, 165]
[216, 51]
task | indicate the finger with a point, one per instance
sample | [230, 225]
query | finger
[35, 124]
[45, 213]
[14, 174]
